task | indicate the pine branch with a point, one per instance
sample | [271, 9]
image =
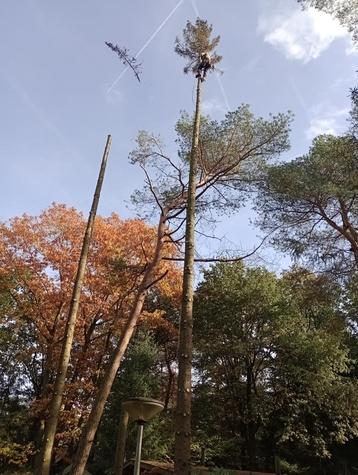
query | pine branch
[123, 54]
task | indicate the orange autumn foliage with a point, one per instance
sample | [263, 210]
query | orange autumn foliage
[38, 262]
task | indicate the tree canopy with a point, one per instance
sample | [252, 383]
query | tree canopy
[271, 360]
[311, 204]
[231, 155]
[38, 256]
[197, 40]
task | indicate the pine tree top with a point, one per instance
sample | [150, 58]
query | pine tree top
[196, 42]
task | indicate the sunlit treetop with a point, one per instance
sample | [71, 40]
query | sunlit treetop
[196, 42]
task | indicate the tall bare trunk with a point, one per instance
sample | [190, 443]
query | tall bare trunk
[185, 347]
[121, 443]
[89, 431]
[168, 391]
[250, 428]
[56, 401]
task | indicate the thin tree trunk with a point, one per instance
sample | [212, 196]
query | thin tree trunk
[121, 443]
[89, 431]
[56, 401]
[168, 391]
[185, 346]
[250, 428]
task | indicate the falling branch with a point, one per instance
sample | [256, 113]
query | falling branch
[124, 56]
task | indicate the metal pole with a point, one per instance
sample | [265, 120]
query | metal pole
[139, 448]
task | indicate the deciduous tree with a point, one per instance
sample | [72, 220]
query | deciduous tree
[38, 258]
[271, 365]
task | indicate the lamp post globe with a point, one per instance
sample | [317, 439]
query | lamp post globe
[141, 410]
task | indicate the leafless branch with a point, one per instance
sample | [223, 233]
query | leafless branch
[155, 281]
[151, 188]
[222, 259]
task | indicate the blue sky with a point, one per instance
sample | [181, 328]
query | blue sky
[58, 100]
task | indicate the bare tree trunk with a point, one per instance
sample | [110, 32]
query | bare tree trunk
[250, 428]
[56, 401]
[121, 443]
[170, 380]
[89, 431]
[185, 346]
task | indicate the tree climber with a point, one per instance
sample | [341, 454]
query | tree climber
[203, 66]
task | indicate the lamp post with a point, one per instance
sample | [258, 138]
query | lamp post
[141, 410]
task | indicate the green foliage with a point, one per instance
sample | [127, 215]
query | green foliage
[354, 112]
[17, 372]
[196, 41]
[240, 134]
[137, 378]
[16, 448]
[293, 468]
[232, 154]
[296, 334]
[272, 366]
[311, 204]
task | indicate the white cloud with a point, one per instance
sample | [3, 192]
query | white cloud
[329, 121]
[351, 49]
[213, 105]
[301, 34]
[319, 126]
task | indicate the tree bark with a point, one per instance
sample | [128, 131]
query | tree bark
[185, 346]
[250, 434]
[168, 390]
[121, 443]
[56, 401]
[89, 431]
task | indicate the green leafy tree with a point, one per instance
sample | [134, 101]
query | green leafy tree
[19, 383]
[235, 325]
[316, 404]
[272, 365]
[139, 377]
[310, 204]
[354, 112]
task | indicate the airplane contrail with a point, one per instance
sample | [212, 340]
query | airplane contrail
[146, 44]
[223, 93]
[299, 96]
[195, 7]
[221, 85]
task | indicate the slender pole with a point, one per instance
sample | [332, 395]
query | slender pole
[138, 452]
[56, 401]
[121, 442]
